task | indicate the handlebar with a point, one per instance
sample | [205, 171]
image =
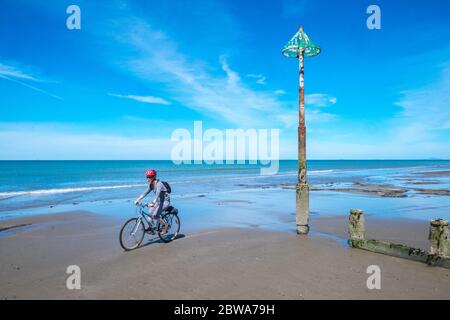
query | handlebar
[143, 205]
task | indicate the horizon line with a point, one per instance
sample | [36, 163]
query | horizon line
[246, 160]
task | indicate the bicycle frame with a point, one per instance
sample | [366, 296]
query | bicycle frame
[142, 217]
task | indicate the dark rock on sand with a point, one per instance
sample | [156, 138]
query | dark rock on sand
[382, 190]
[436, 192]
[14, 226]
[254, 186]
[391, 193]
[425, 182]
[435, 173]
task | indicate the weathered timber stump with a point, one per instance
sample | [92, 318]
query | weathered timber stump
[356, 227]
[439, 237]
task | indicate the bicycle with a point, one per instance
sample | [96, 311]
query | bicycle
[133, 231]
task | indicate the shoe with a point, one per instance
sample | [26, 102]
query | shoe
[164, 229]
[150, 230]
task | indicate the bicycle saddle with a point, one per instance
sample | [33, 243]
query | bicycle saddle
[171, 209]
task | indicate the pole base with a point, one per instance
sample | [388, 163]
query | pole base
[302, 208]
[302, 229]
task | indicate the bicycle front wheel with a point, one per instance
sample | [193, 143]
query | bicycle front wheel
[172, 222]
[132, 234]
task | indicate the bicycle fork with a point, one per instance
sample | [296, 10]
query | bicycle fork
[136, 226]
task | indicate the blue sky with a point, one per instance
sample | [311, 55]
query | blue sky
[137, 70]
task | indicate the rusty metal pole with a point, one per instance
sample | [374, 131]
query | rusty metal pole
[301, 46]
[302, 189]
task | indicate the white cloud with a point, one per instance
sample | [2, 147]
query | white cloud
[427, 106]
[290, 118]
[233, 78]
[61, 142]
[194, 84]
[422, 123]
[320, 99]
[280, 92]
[144, 99]
[420, 130]
[17, 74]
[215, 90]
[260, 79]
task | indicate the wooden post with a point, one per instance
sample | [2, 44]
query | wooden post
[302, 189]
[356, 229]
[439, 237]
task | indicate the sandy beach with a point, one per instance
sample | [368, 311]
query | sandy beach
[218, 263]
[237, 238]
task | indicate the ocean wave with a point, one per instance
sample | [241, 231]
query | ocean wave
[319, 172]
[54, 191]
[9, 194]
[65, 190]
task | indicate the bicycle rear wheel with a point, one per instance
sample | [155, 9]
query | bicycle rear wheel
[173, 227]
[132, 234]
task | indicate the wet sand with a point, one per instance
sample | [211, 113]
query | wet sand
[410, 232]
[435, 173]
[382, 190]
[227, 263]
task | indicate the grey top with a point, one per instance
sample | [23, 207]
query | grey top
[160, 191]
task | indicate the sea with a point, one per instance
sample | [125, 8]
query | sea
[32, 187]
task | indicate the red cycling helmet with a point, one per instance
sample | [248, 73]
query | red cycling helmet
[150, 173]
